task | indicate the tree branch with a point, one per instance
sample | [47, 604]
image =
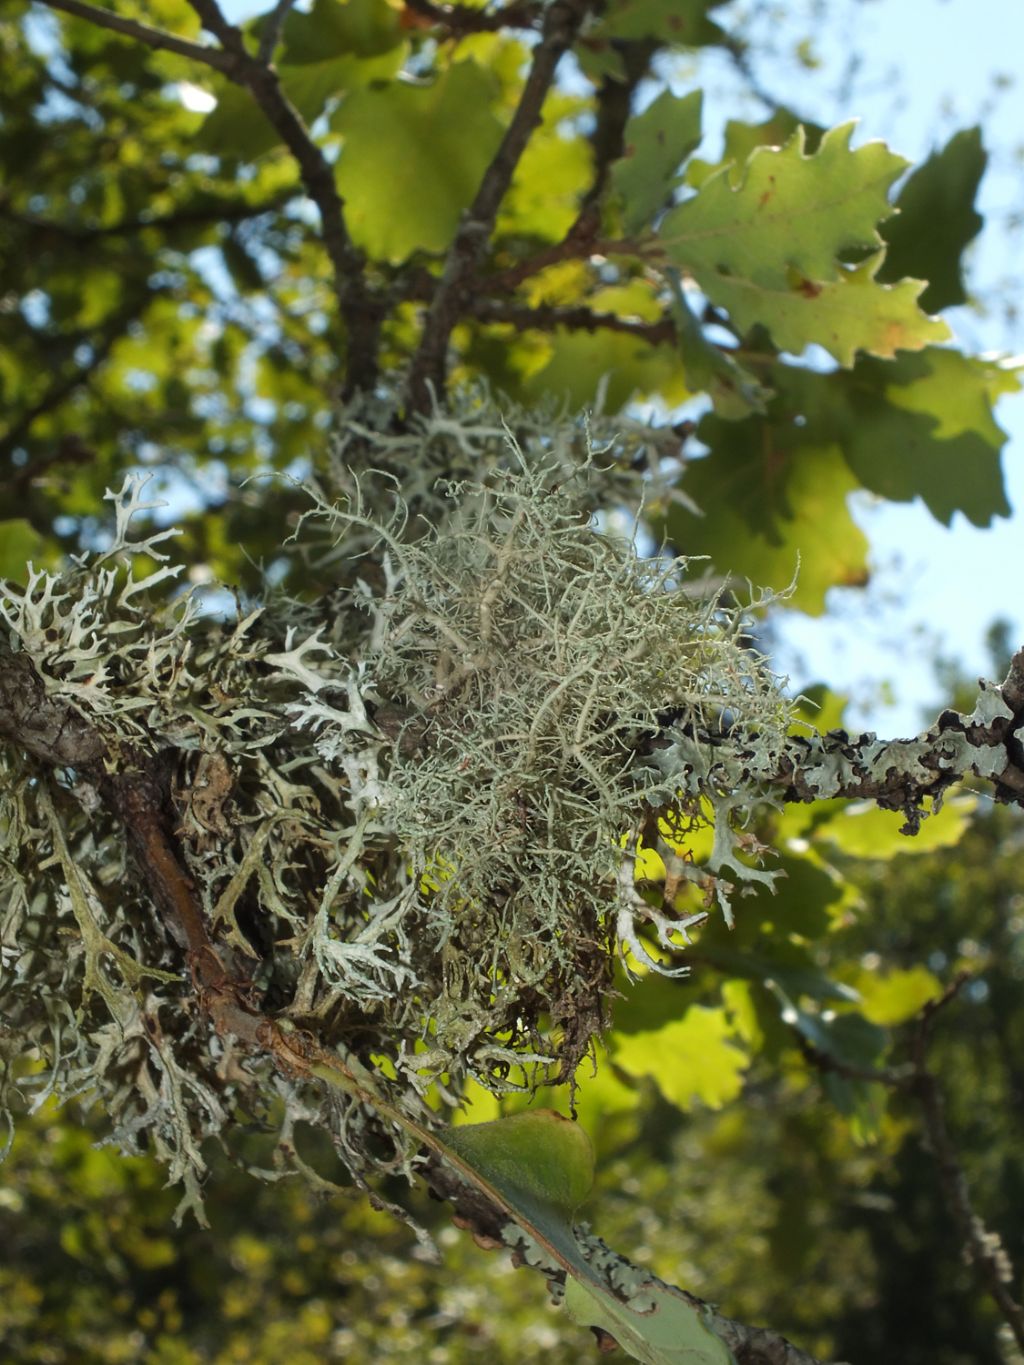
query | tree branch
[145, 33]
[427, 374]
[580, 242]
[271, 31]
[361, 311]
[214, 22]
[614, 106]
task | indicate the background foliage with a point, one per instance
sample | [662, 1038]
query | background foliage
[166, 302]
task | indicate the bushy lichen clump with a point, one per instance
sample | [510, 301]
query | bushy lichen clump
[523, 667]
[411, 807]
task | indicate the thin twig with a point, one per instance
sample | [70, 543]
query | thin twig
[579, 243]
[614, 103]
[429, 365]
[271, 30]
[214, 22]
[463, 19]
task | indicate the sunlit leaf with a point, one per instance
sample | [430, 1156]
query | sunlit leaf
[20, 542]
[888, 998]
[865, 831]
[693, 1059]
[413, 157]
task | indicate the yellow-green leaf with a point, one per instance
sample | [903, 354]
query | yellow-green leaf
[769, 514]
[864, 830]
[896, 996]
[19, 543]
[791, 212]
[692, 1059]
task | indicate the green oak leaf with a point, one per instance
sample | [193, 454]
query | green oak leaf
[768, 249]
[655, 144]
[917, 426]
[742, 139]
[791, 213]
[920, 426]
[849, 314]
[534, 1159]
[864, 830]
[936, 221]
[893, 997]
[543, 199]
[339, 45]
[766, 510]
[413, 157]
[955, 390]
[669, 1332]
[617, 364]
[629, 366]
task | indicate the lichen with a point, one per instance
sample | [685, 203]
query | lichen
[411, 796]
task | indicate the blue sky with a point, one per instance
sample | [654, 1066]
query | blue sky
[914, 72]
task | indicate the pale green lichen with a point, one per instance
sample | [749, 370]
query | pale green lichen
[411, 804]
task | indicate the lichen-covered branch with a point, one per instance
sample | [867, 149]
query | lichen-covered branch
[134, 789]
[899, 774]
[491, 707]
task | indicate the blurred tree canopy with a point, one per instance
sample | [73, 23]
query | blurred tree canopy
[398, 806]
